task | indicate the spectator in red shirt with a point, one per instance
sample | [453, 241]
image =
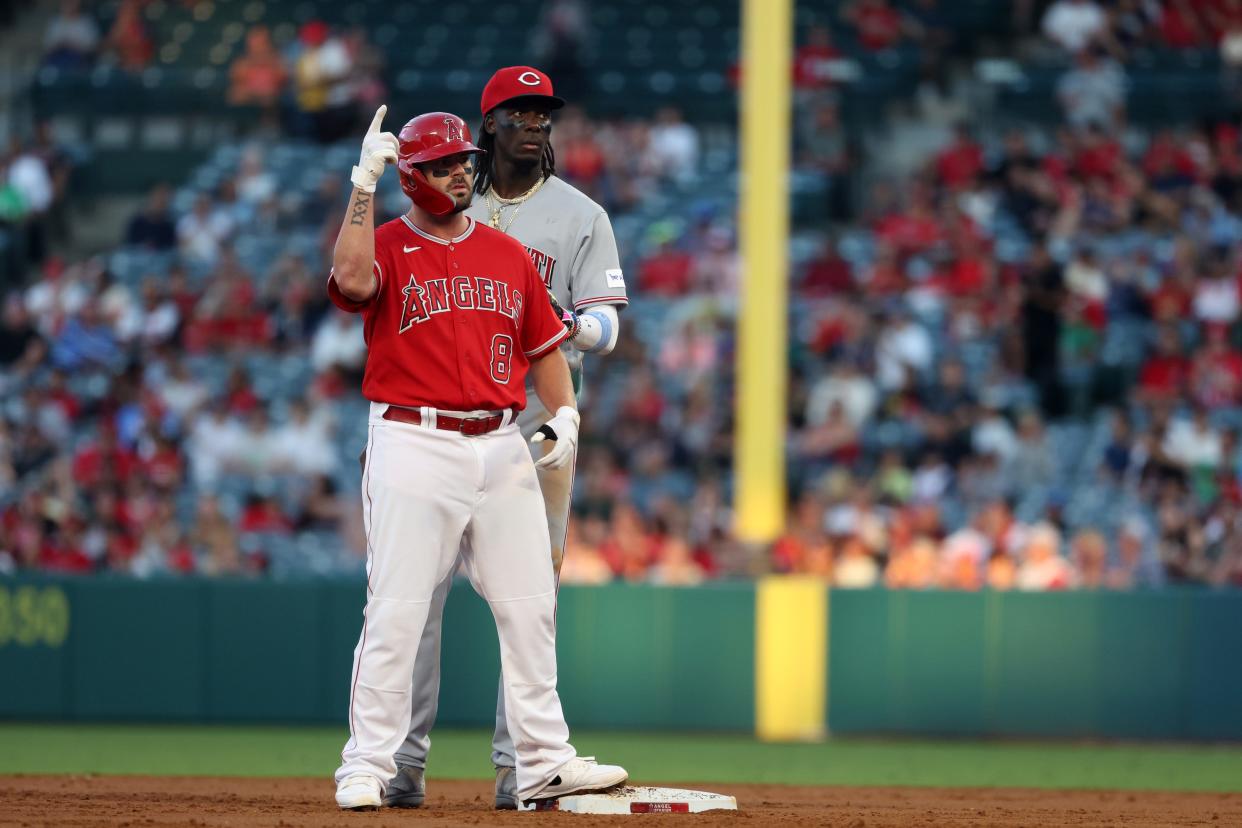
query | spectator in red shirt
[960, 163]
[1216, 372]
[238, 394]
[1099, 155]
[877, 24]
[1181, 26]
[228, 314]
[1222, 17]
[911, 231]
[179, 557]
[579, 156]
[666, 272]
[1166, 372]
[104, 507]
[63, 552]
[128, 38]
[180, 292]
[120, 551]
[967, 272]
[138, 506]
[58, 393]
[813, 59]
[643, 402]
[1171, 301]
[263, 514]
[162, 464]
[1226, 170]
[804, 539]
[828, 273]
[103, 458]
[886, 275]
[630, 549]
[1164, 154]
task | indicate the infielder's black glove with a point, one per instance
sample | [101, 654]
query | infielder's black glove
[568, 318]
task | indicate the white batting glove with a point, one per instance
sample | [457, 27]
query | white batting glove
[563, 430]
[378, 150]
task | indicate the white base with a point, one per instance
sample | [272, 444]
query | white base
[631, 800]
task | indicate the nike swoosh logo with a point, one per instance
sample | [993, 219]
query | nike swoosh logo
[410, 249]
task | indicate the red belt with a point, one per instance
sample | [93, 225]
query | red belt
[469, 426]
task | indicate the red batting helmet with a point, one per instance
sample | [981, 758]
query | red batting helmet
[426, 138]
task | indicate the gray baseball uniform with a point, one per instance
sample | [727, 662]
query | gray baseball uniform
[570, 240]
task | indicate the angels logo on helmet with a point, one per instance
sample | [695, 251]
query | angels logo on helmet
[426, 138]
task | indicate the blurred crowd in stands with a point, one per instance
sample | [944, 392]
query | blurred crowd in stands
[79, 347]
[321, 85]
[1121, 26]
[1018, 367]
[318, 86]
[34, 197]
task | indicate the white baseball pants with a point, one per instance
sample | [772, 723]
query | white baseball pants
[556, 486]
[424, 491]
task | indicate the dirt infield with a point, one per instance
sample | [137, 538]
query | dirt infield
[140, 801]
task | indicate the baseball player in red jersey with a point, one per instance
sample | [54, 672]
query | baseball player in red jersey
[455, 317]
[570, 240]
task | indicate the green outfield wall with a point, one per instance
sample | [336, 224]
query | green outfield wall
[221, 650]
[1143, 665]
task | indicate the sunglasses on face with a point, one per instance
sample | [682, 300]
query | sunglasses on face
[444, 167]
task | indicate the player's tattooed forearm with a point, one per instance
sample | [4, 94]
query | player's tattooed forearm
[362, 203]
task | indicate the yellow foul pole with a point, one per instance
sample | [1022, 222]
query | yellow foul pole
[759, 468]
[791, 614]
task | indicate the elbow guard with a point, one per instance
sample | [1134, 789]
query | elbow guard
[598, 328]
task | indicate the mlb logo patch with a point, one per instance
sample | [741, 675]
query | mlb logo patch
[615, 279]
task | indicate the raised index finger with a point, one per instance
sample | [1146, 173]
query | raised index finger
[378, 119]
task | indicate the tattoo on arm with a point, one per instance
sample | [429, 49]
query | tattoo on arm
[362, 203]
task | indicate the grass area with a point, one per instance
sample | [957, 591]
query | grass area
[650, 757]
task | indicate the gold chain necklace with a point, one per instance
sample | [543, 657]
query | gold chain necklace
[501, 203]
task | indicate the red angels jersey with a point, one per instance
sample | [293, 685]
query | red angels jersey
[454, 324]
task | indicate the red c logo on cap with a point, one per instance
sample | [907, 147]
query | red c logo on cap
[533, 79]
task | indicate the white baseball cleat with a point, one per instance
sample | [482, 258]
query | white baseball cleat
[582, 773]
[359, 792]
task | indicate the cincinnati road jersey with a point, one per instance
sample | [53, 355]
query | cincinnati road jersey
[571, 243]
[454, 324]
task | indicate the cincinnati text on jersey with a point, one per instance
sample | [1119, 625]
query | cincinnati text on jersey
[477, 293]
[544, 264]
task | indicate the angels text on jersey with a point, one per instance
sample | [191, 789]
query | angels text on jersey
[463, 293]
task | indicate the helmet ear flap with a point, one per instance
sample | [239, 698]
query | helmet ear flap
[420, 191]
